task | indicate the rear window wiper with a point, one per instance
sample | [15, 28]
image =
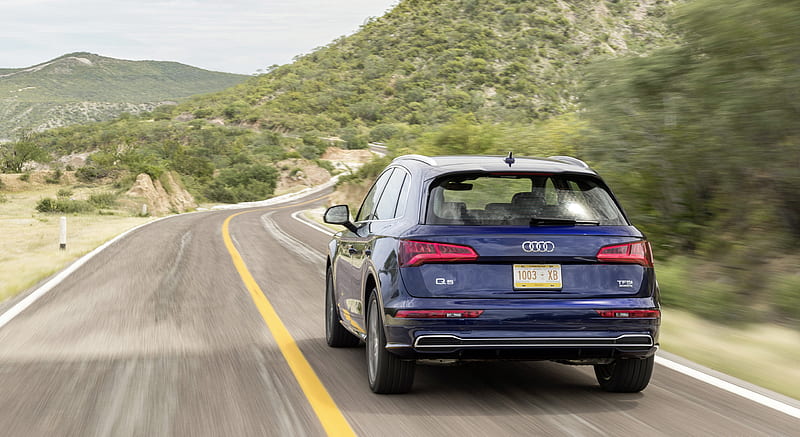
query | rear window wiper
[559, 221]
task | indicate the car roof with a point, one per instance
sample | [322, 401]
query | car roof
[436, 165]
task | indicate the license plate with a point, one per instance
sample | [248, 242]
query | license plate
[537, 276]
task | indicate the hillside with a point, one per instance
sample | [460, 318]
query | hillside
[400, 77]
[83, 87]
[425, 61]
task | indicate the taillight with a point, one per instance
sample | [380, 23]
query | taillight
[438, 314]
[415, 253]
[636, 253]
[630, 314]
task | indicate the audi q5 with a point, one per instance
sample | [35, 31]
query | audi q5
[464, 258]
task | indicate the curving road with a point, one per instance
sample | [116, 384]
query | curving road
[159, 335]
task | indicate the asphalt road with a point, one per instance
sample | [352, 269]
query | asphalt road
[158, 335]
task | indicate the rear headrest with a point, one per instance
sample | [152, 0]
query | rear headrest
[527, 198]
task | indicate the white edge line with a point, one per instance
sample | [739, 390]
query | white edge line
[696, 374]
[54, 281]
[23, 304]
[732, 388]
[688, 371]
[305, 221]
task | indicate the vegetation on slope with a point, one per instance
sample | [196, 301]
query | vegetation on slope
[424, 63]
[427, 61]
[702, 140]
[81, 87]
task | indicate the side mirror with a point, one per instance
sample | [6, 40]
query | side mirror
[339, 215]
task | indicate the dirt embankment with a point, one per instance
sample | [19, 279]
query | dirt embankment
[299, 173]
[161, 198]
[350, 193]
[335, 154]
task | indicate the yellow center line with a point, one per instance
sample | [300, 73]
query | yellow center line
[332, 419]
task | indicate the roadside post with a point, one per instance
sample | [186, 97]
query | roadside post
[62, 239]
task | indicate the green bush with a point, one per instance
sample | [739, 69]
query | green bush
[243, 183]
[25, 177]
[50, 205]
[125, 182]
[327, 165]
[309, 151]
[103, 200]
[64, 193]
[54, 177]
[91, 173]
[203, 113]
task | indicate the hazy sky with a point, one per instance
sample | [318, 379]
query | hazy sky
[237, 36]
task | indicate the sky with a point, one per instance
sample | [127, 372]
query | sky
[235, 36]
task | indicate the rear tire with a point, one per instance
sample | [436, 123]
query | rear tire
[387, 373]
[335, 334]
[625, 376]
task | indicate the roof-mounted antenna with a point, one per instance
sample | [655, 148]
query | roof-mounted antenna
[510, 159]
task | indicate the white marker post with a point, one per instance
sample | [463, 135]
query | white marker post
[62, 240]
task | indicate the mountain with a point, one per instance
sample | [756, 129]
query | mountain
[82, 87]
[427, 60]
[400, 78]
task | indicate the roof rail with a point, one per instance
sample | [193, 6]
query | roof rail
[570, 160]
[425, 159]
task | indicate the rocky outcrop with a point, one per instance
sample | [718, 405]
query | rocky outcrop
[161, 199]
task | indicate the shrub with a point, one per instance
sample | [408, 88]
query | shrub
[243, 183]
[327, 165]
[50, 205]
[65, 193]
[25, 177]
[202, 113]
[91, 173]
[54, 177]
[103, 200]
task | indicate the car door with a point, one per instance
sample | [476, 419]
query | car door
[350, 257]
[376, 250]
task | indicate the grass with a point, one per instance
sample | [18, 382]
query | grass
[763, 354]
[30, 242]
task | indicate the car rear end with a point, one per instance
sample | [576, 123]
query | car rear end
[523, 264]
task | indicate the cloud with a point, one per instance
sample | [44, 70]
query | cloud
[238, 36]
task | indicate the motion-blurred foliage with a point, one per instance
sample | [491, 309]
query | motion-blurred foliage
[701, 140]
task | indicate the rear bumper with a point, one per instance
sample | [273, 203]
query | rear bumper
[438, 342]
[567, 330]
[452, 346]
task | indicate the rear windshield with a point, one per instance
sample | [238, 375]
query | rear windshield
[521, 200]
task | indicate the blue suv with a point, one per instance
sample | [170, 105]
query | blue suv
[489, 258]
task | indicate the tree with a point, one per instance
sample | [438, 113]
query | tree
[706, 133]
[15, 155]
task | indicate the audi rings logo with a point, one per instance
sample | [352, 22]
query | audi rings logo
[538, 246]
